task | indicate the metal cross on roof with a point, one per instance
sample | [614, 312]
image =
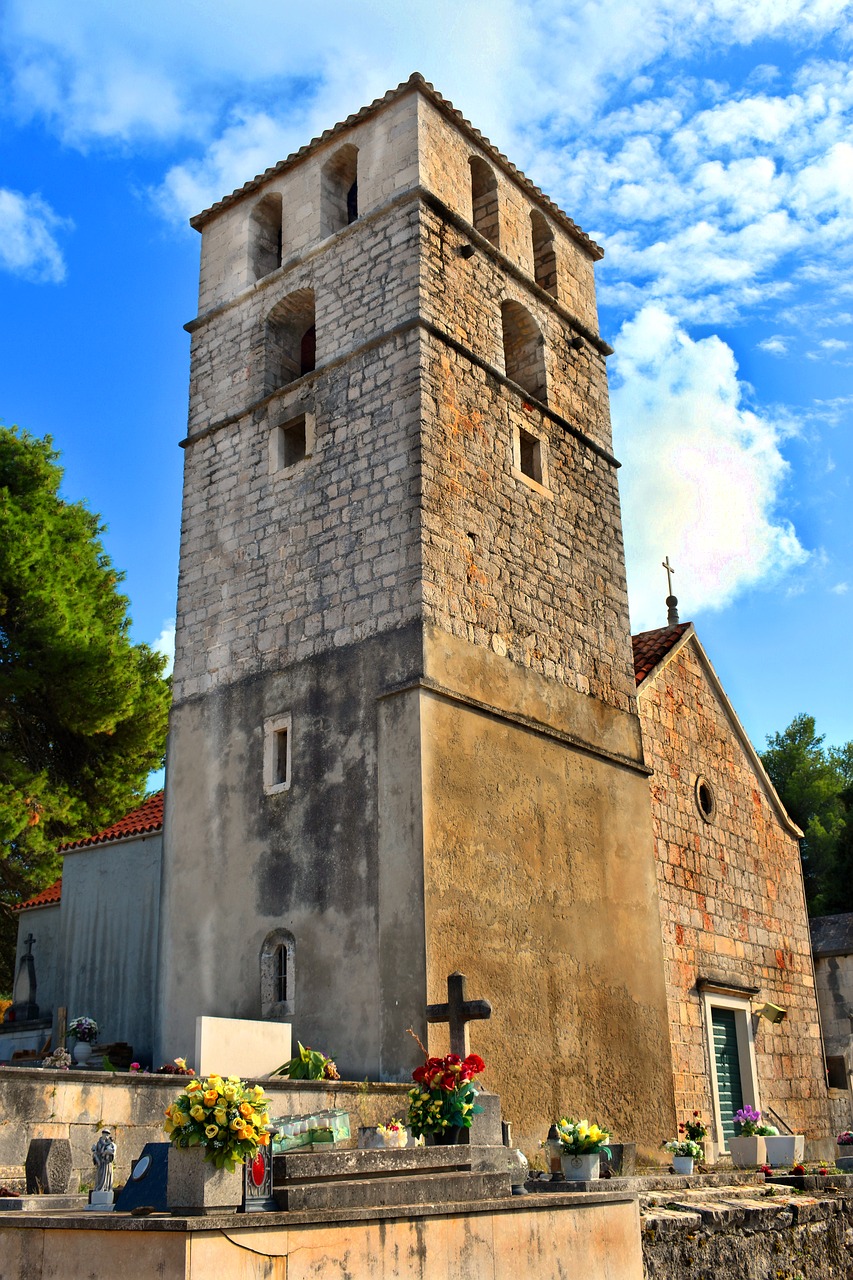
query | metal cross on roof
[458, 1012]
[669, 572]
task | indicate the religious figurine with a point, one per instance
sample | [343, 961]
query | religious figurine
[103, 1156]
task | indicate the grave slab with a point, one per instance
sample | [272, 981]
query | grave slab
[240, 1047]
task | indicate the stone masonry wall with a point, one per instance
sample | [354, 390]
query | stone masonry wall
[731, 897]
[444, 154]
[277, 567]
[535, 572]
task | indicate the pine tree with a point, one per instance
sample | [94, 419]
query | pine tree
[83, 710]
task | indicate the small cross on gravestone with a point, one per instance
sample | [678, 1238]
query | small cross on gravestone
[458, 1012]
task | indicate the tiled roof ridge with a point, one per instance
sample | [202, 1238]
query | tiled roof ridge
[415, 80]
[651, 646]
[47, 897]
[143, 820]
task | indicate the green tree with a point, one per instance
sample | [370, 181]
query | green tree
[83, 711]
[815, 784]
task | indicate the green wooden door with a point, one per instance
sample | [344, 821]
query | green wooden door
[730, 1091]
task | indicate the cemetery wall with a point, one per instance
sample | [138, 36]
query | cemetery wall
[540, 887]
[732, 902]
[76, 1105]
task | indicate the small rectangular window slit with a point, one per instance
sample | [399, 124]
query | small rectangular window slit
[530, 456]
[280, 772]
[291, 442]
[278, 746]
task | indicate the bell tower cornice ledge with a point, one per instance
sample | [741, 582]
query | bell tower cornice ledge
[400, 330]
[452, 218]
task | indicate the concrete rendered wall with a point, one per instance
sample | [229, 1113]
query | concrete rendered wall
[732, 903]
[540, 887]
[43, 924]
[110, 896]
[834, 976]
[309, 860]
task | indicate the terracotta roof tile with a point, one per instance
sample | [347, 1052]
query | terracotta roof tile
[44, 899]
[145, 819]
[651, 646]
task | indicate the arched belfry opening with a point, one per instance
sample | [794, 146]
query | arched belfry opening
[339, 190]
[485, 211]
[524, 350]
[289, 340]
[544, 254]
[265, 236]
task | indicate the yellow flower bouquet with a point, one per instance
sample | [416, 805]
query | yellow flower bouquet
[224, 1115]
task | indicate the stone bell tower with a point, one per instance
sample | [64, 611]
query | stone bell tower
[404, 738]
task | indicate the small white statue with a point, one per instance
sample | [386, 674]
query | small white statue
[103, 1157]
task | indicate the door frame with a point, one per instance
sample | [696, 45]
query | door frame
[719, 998]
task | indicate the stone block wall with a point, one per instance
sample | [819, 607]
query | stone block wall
[533, 571]
[731, 895]
[445, 153]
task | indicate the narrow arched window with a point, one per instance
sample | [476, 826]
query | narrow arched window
[485, 212]
[278, 976]
[265, 236]
[289, 340]
[339, 190]
[524, 350]
[544, 256]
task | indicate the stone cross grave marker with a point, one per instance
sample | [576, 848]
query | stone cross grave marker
[458, 1012]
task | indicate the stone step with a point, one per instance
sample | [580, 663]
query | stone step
[432, 1187]
[303, 1166]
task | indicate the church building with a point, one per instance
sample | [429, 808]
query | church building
[409, 734]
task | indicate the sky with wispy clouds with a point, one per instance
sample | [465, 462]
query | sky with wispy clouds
[707, 147]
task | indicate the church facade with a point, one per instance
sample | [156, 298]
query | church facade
[405, 737]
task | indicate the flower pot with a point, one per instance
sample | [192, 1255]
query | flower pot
[194, 1186]
[581, 1168]
[682, 1164]
[81, 1052]
[448, 1137]
[784, 1149]
[747, 1153]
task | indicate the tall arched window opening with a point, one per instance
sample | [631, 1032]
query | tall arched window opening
[524, 350]
[339, 190]
[265, 236]
[544, 255]
[278, 985]
[290, 340]
[485, 213]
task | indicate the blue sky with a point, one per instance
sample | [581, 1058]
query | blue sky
[708, 149]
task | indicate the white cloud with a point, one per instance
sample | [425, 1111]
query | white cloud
[28, 237]
[165, 643]
[776, 344]
[834, 344]
[840, 589]
[703, 473]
